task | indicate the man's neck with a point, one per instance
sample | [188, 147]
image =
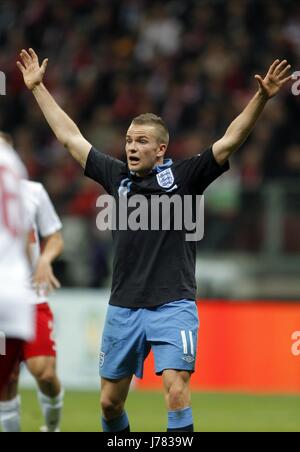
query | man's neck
[146, 173]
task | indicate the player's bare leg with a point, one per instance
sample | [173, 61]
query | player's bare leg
[50, 393]
[43, 369]
[11, 389]
[178, 399]
[113, 397]
[177, 389]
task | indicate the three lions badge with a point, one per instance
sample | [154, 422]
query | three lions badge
[165, 178]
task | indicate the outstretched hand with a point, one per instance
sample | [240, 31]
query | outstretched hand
[43, 278]
[275, 79]
[33, 73]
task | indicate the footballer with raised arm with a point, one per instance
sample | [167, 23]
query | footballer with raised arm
[152, 303]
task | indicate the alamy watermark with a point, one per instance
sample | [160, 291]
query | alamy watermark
[2, 84]
[296, 84]
[2, 344]
[153, 213]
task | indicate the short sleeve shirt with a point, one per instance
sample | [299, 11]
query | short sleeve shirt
[155, 266]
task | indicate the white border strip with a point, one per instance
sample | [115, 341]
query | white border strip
[184, 342]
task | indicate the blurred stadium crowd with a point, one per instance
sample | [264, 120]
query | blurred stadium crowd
[192, 62]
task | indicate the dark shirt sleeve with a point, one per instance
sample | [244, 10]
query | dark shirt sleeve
[200, 171]
[103, 169]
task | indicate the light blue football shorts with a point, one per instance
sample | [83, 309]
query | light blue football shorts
[170, 330]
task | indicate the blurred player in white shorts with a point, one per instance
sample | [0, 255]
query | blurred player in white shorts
[16, 313]
[39, 355]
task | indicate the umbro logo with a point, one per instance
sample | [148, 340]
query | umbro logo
[188, 358]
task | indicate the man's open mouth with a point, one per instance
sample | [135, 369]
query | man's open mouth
[134, 160]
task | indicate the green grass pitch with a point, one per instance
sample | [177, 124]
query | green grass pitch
[212, 412]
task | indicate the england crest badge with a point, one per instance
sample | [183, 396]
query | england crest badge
[165, 179]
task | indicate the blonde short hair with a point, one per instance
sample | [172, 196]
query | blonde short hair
[150, 119]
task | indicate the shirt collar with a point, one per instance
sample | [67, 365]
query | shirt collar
[159, 168]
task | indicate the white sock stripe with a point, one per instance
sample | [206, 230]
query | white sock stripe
[11, 405]
[51, 400]
[192, 343]
[51, 408]
[10, 416]
[184, 342]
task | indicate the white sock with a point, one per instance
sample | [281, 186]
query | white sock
[10, 417]
[52, 408]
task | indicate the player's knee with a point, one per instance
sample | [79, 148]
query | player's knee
[46, 377]
[111, 408]
[178, 393]
[176, 397]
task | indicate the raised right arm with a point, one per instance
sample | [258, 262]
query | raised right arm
[62, 125]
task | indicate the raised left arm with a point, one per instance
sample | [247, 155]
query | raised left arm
[242, 126]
